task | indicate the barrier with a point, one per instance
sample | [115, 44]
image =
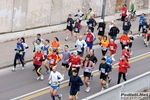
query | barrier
[137, 84]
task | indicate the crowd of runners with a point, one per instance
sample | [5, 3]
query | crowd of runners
[47, 53]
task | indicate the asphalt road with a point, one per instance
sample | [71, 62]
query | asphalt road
[14, 84]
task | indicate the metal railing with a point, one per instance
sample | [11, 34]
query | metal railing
[137, 84]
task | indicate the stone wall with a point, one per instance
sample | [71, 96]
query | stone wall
[18, 15]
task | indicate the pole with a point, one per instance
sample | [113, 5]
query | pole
[103, 9]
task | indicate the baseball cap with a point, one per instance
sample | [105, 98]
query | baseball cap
[54, 68]
[111, 40]
[101, 20]
[75, 52]
[53, 50]
[126, 47]
[38, 49]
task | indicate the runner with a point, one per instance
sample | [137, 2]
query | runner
[145, 30]
[124, 40]
[69, 27]
[123, 66]
[125, 53]
[56, 45]
[19, 51]
[114, 31]
[124, 12]
[46, 50]
[112, 47]
[89, 41]
[89, 14]
[103, 69]
[24, 52]
[54, 80]
[93, 59]
[133, 8]
[75, 82]
[110, 61]
[65, 59]
[77, 28]
[141, 21]
[52, 60]
[87, 70]
[148, 37]
[130, 35]
[80, 45]
[79, 15]
[38, 58]
[101, 29]
[36, 39]
[38, 44]
[91, 24]
[126, 25]
[75, 64]
[104, 44]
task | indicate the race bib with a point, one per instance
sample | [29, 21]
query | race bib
[54, 83]
[73, 68]
[88, 39]
[86, 69]
[100, 29]
[102, 70]
[104, 48]
[125, 24]
[90, 25]
[76, 29]
[124, 42]
[45, 52]
[123, 12]
[68, 24]
[51, 61]
[111, 48]
[144, 26]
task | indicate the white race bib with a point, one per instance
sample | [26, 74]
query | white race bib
[90, 25]
[86, 69]
[54, 83]
[100, 29]
[124, 42]
[73, 68]
[45, 52]
[111, 48]
[88, 39]
[102, 70]
[68, 24]
[76, 29]
[51, 61]
[104, 48]
[125, 23]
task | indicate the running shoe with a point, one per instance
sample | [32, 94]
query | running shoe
[14, 69]
[42, 77]
[38, 78]
[59, 96]
[77, 95]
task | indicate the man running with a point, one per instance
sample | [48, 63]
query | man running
[126, 25]
[124, 40]
[110, 61]
[69, 27]
[125, 53]
[103, 69]
[52, 60]
[19, 51]
[75, 83]
[114, 31]
[89, 41]
[54, 80]
[79, 15]
[65, 59]
[91, 24]
[80, 45]
[124, 12]
[112, 47]
[101, 29]
[141, 21]
[122, 70]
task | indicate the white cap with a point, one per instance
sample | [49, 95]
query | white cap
[126, 47]
[101, 20]
[74, 52]
[112, 21]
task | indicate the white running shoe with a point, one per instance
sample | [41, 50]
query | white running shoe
[88, 89]
[22, 68]
[42, 77]
[102, 89]
[14, 69]
[38, 78]
[59, 96]
[66, 38]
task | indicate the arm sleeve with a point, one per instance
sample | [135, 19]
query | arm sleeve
[80, 82]
[60, 77]
[85, 45]
[22, 48]
[95, 60]
[50, 76]
[100, 67]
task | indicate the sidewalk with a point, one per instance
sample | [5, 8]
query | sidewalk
[7, 48]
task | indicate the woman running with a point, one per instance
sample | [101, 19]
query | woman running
[104, 44]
